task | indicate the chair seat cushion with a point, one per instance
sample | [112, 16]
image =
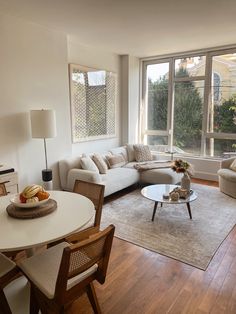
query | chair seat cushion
[6, 265]
[42, 269]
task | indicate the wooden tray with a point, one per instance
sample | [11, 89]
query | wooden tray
[31, 213]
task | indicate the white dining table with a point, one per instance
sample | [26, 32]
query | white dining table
[72, 213]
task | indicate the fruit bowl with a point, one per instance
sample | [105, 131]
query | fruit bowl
[16, 202]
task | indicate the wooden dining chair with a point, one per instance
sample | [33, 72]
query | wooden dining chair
[8, 272]
[59, 275]
[3, 190]
[95, 192]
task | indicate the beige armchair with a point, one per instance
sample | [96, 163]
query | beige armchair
[227, 178]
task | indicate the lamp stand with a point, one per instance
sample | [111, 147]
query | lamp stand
[46, 173]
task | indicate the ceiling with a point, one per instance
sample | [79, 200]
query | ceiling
[135, 27]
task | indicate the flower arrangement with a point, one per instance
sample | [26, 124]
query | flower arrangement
[182, 166]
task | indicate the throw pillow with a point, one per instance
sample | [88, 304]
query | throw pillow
[116, 161]
[88, 164]
[130, 152]
[233, 165]
[120, 151]
[100, 163]
[142, 152]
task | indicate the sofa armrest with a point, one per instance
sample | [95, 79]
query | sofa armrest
[225, 163]
[65, 165]
[81, 174]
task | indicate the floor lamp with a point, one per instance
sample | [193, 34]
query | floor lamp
[43, 126]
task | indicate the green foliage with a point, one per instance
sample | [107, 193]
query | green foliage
[187, 116]
[224, 116]
[188, 110]
[158, 101]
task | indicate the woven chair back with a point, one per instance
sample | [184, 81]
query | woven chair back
[3, 190]
[93, 191]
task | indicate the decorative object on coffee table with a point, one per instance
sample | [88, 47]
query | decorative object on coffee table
[185, 181]
[182, 166]
[43, 125]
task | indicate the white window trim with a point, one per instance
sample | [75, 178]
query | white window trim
[206, 133]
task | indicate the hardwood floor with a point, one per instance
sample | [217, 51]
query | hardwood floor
[141, 281]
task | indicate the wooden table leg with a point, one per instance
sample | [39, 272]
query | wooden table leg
[189, 210]
[154, 210]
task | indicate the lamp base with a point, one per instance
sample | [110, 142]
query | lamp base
[47, 179]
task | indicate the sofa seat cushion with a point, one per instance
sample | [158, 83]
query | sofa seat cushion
[130, 164]
[227, 174]
[160, 176]
[119, 178]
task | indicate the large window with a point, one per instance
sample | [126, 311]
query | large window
[190, 103]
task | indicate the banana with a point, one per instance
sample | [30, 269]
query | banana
[31, 190]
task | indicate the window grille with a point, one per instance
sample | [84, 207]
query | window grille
[93, 103]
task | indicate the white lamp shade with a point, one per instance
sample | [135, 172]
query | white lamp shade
[43, 123]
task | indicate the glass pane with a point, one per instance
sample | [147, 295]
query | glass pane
[222, 111]
[220, 148]
[188, 108]
[157, 140]
[192, 66]
[158, 77]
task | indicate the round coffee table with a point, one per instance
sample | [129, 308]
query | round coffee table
[155, 193]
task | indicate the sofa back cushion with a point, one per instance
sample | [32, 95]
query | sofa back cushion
[100, 163]
[142, 152]
[130, 152]
[116, 161]
[87, 164]
[120, 151]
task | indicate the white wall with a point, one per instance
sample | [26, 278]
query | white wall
[130, 99]
[97, 59]
[33, 75]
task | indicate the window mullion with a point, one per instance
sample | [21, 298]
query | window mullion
[207, 93]
[171, 105]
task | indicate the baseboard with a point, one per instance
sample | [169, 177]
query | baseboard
[206, 176]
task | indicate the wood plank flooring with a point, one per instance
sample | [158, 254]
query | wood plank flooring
[141, 281]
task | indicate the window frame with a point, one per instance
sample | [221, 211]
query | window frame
[207, 78]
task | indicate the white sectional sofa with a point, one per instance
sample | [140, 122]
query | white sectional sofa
[115, 179]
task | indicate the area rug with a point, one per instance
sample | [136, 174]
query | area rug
[172, 233]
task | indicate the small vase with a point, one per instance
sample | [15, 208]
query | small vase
[185, 182]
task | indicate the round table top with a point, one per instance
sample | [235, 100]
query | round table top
[155, 193]
[73, 212]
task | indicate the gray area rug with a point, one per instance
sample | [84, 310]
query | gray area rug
[172, 233]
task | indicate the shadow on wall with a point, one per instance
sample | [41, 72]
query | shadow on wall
[14, 135]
